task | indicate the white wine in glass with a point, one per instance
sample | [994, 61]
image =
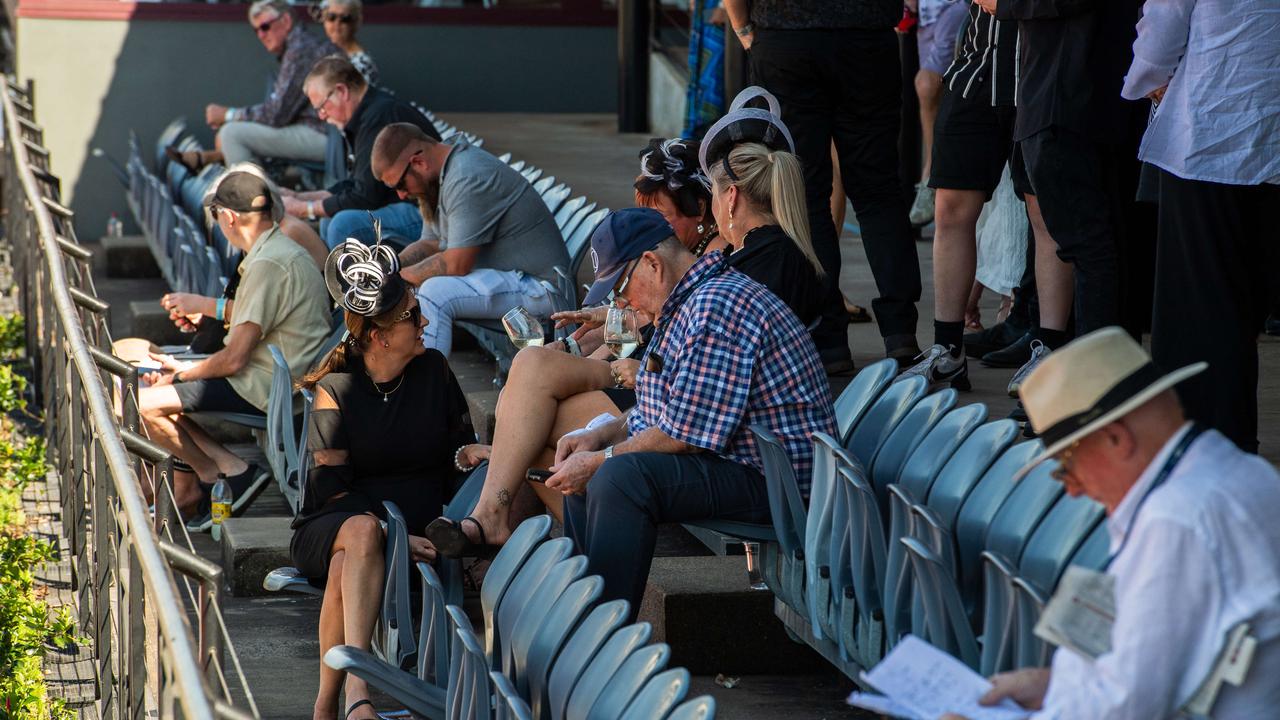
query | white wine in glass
[522, 327]
[621, 332]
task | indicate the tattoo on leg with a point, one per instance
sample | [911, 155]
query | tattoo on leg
[504, 498]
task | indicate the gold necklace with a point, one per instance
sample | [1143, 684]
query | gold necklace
[385, 395]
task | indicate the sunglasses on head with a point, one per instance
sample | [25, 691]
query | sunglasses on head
[335, 17]
[399, 186]
[265, 25]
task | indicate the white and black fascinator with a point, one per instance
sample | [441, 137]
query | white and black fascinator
[743, 124]
[364, 279]
[673, 163]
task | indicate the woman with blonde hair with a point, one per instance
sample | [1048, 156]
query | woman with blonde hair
[757, 197]
[341, 19]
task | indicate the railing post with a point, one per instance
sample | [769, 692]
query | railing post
[210, 576]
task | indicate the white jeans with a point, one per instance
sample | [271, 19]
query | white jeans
[480, 295]
[250, 141]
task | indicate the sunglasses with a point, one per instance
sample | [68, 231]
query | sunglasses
[265, 25]
[620, 290]
[335, 17]
[399, 186]
[1061, 472]
[413, 312]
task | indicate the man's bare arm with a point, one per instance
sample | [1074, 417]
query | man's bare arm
[454, 261]
[418, 251]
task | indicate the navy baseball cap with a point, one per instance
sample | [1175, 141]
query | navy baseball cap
[621, 237]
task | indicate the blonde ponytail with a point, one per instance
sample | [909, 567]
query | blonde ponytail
[772, 182]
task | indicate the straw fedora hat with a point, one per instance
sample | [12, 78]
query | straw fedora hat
[1088, 383]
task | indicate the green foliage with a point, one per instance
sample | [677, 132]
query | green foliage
[13, 390]
[13, 336]
[27, 627]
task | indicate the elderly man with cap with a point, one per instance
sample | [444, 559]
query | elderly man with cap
[281, 301]
[1195, 546]
[726, 355]
[488, 241]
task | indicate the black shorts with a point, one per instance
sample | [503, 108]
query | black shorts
[213, 395]
[972, 141]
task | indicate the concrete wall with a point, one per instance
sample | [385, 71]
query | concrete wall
[97, 79]
[668, 96]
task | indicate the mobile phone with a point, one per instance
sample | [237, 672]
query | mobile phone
[538, 476]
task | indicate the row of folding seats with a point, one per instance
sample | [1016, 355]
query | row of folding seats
[914, 525]
[549, 647]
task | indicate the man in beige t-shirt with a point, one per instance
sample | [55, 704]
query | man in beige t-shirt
[281, 301]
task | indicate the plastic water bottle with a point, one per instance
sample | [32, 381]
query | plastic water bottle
[115, 228]
[221, 505]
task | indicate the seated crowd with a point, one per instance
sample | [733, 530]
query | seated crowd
[720, 267]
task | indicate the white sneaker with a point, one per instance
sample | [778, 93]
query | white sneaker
[937, 366]
[922, 209]
[1039, 351]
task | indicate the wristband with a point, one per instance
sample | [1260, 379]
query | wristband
[230, 116]
[311, 209]
[745, 30]
[177, 377]
[220, 308]
[571, 346]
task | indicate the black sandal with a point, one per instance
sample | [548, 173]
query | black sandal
[359, 704]
[192, 160]
[857, 314]
[451, 542]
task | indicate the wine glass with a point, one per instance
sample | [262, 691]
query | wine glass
[621, 331]
[522, 327]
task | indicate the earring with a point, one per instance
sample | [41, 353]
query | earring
[731, 219]
[386, 345]
[701, 229]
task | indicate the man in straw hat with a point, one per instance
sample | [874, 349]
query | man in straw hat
[1195, 546]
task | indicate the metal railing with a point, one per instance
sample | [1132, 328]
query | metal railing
[148, 661]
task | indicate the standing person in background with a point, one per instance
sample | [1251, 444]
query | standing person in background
[342, 20]
[1215, 136]
[283, 126]
[940, 21]
[705, 96]
[836, 71]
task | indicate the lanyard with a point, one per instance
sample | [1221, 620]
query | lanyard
[1165, 471]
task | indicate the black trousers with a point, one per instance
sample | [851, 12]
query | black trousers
[845, 85]
[1211, 296]
[1075, 181]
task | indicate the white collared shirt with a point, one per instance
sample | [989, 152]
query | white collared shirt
[1202, 554]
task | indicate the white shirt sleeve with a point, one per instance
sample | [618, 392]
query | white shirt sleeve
[1163, 640]
[1161, 43]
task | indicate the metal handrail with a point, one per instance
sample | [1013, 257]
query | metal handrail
[143, 553]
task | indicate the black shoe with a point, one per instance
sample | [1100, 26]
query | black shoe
[1272, 326]
[1013, 356]
[996, 337]
[902, 348]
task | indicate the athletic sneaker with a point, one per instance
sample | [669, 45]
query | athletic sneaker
[922, 208]
[1039, 351]
[939, 368]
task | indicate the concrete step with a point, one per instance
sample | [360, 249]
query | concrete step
[703, 609]
[251, 548]
[149, 320]
[127, 257]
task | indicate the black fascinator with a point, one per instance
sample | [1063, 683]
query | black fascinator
[364, 279]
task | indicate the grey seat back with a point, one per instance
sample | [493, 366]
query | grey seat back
[969, 528]
[580, 650]
[533, 664]
[626, 683]
[520, 619]
[521, 592]
[659, 696]
[603, 667]
[929, 457]
[859, 394]
[699, 708]
[909, 434]
[883, 416]
[526, 538]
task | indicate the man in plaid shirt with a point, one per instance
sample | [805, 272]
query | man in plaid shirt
[726, 354]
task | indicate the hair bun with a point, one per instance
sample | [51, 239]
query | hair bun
[362, 279]
[673, 163]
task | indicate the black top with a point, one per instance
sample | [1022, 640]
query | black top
[770, 257]
[400, 449]
[986, 63]
[1074, 55]
[825, 14]
[361, 190]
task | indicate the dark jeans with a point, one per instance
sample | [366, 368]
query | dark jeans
[615, 525]
[845, 85]
[1074, 179]
[1212, 277]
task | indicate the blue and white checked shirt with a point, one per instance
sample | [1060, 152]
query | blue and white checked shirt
[733, 355]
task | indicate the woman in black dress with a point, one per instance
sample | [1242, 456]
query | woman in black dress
[389, 423]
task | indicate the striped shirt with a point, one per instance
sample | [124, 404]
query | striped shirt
[987, 60]
[733, 355]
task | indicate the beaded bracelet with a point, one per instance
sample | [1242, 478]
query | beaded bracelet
[457, 459]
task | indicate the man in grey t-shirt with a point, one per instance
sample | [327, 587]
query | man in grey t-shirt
[488, 239]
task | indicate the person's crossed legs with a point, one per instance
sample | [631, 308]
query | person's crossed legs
[616, 523]
[352, 599]
[479, 295]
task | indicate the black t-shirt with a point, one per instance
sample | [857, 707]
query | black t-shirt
[770, 257]
[400, 449]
